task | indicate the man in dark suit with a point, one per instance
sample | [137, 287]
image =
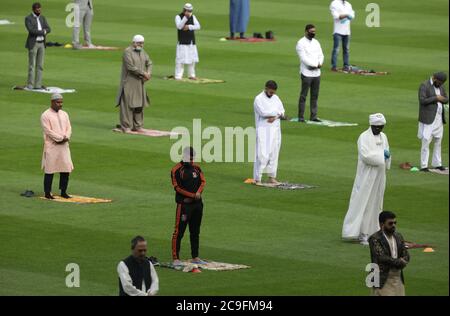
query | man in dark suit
[38, 29]
[432, 97]
[388, 251]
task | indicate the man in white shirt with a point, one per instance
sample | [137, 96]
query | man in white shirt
[137, 276]
[342, 13]
[432, 97]
[187, 53]
[268, 112]
[311, 60]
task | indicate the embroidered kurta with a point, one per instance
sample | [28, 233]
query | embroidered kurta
[56, 126]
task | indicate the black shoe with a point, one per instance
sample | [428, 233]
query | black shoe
[316, 120]
[65, 195]
[301, 120]
[425, 170]
[334, 69]
[49, 196]
[442, 168]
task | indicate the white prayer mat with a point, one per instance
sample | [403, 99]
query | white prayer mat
[77, 199]
[327, 123]
[197, 81]
[187, 266]
[437, 171]
[49, 90]
[247, 39]
[147, 132]
[287, 186]
[6, 22]
[100, 48]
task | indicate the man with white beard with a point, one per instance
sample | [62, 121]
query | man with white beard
[366, 201]
[268, 112]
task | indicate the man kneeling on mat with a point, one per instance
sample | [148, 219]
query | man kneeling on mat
[188, 181]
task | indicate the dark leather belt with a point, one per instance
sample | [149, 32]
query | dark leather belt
[39, 41]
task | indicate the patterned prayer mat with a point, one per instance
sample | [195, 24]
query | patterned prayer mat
[187, 266]
[77, 199]
[248, 39]
[437, 171]
[197, 81]
[6, 22]
[358, 71]
[49, 90]
[327, 123]
[282, 185]
[413, 245]
[147, 132]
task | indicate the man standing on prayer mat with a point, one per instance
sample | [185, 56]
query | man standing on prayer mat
[187, 53]
[56, 157]
[239, 16]
[388, 251]
[38, 29]
[188, 182]
[268, 112]
[311, 60]
[132, 96]
[84, 12]
[432, 97]
[342, 13]
[366, 201]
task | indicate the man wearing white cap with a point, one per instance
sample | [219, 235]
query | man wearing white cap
[132, 96]
[366, 201]
[56, 157]
[187, 54]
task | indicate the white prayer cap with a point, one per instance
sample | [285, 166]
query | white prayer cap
[377, 119]
[56, 96]
[188, 7]
[138, 39]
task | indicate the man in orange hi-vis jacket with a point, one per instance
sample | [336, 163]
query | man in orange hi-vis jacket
[188, 181]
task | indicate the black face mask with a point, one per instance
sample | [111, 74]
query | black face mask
[311, 35]
[436, 84]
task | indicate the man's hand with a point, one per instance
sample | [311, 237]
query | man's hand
[440, 98]
[186, 28]
[146, 76]
[198, 196]
[343, 16]
[271, 119]
[187, 14]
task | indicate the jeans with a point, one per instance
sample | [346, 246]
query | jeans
[345, 47]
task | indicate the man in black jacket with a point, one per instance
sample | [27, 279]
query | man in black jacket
[388, 251]
[432, 97]
[137, 276]
[38, 29]
[188, 182]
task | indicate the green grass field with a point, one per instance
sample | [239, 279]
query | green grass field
[290, 238]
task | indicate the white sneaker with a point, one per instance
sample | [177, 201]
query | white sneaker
[364, 239]
[91, 46]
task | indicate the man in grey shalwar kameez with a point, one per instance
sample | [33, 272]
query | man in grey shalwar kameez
[132, 96]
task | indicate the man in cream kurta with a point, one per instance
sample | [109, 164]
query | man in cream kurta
[56, 157]
[268, 112]
[366, 201]
[132, 96]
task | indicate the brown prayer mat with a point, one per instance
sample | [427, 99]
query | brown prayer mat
[100, 48]
[77, 199]
[147, 132]
[196, 81]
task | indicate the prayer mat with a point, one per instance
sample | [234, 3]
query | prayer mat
[49, 90]
[147, 132]
[282, 185]
[326, 123]
[100, 48]
[187, 266]
[6, 22]
[197, 81]
[413, 245]
[354, 70]
[77, 199]
[437, 171]
[249, 39]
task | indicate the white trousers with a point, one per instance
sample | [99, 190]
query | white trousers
[179, 70]
[425, 152]
[268, 144]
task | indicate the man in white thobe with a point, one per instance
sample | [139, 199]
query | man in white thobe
[187, 53]
[366, 201]
[268, 112]
[432, 97]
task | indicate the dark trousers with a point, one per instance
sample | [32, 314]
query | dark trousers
[312, 83]
[337, 38]
[63, 182]
[187, 214]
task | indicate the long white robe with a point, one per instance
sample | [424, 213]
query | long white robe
[186, 54]
[268, 135]
[366, 201]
